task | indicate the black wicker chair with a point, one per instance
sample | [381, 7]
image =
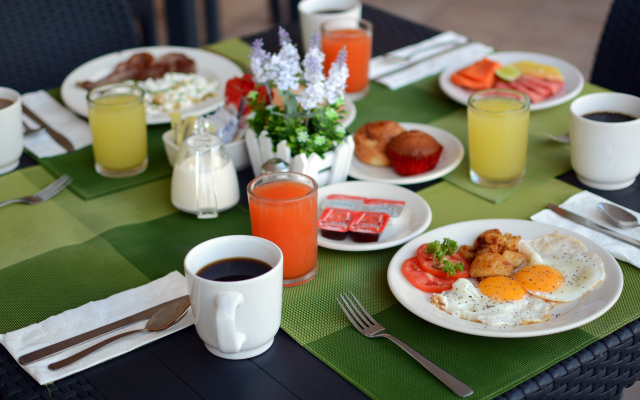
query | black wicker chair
[42, 41]
[618, 57]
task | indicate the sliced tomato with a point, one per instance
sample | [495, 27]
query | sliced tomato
[423, 280]
[426, 262]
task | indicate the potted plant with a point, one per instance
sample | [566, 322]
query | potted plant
[297, 118]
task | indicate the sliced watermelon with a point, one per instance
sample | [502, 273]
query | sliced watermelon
[554, 86]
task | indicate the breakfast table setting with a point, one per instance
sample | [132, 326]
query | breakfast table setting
[100, 249]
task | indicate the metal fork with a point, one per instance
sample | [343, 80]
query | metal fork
[45, 194]
[369, 327]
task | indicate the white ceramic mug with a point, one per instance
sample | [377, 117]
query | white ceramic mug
[11, 131]
[313, 13]
[605, 154]
[237, 319]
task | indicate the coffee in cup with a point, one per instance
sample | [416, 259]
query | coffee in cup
[235, 287]
[605, 139]
[11, 131]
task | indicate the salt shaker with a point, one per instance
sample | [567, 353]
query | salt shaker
[204, 180]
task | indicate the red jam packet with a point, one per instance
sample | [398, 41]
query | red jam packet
[366, 226]
[334, 222]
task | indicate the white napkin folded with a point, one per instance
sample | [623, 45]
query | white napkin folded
[89, 317]
[585, 204]
[59, 118]
[413, 70]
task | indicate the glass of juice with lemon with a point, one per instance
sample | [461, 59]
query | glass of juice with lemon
[498, 135]
[119, 130]
[357, 36]
[284, 209]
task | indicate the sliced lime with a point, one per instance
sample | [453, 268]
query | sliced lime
[508, 73]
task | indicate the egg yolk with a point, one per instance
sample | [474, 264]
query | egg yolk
[501, 288]
[542, 278]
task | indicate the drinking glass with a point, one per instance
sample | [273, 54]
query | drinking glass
[284, 209]
[357, 36]
[498, 134]
[119, 130]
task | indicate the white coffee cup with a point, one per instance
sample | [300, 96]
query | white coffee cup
[11, 131]
[315, 12]
[236, 319]
[605, 154]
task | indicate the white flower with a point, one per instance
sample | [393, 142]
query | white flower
[302, 136]
[337, 81]
[314, 93]
[260, 62]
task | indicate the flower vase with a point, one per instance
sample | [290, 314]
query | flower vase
[333, 168]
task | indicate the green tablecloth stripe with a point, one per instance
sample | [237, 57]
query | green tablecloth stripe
[141, 237]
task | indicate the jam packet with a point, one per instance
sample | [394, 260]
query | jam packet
[367, 226]
[334, 223]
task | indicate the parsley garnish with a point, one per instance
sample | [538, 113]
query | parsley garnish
[439, 250]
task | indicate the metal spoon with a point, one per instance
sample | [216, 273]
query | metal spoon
[618, 216]
[559, 138]
[163, 319]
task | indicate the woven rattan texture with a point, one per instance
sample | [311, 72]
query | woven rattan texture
[42, 42]
[618, 58]
[16, 384]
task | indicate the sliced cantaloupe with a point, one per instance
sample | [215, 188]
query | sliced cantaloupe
[538, 70]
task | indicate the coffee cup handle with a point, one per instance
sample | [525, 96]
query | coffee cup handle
[229, 340]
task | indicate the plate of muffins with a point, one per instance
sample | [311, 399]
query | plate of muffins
[404, 153]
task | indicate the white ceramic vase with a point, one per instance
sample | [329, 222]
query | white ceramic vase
[333, 168]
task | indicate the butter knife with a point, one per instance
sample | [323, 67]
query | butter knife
[590, 224]
[76, 340]
[60, 139]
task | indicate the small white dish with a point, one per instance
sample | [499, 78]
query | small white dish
[208, 64]
[452, 155]
[237, 150]
[573, 78]
[565, 316]
[415, 218]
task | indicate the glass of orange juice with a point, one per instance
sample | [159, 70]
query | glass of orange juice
[357, 36]
[284, 210]
[498, 135]
[119, 130]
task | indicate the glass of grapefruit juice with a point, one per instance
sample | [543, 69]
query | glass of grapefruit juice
[498, 135]
[119, 130]
[284, 209]
[357, 36]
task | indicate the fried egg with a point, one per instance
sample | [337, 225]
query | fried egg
[560, 268]
[495, 302]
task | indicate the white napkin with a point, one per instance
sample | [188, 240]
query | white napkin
[59, 118]
[91, 316]
[585, 204]
[414, 70]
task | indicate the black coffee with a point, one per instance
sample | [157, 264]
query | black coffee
[609, 116]
[328, 11]
[234, 269]
[5, 103]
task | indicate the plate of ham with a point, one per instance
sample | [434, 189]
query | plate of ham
[545, 91]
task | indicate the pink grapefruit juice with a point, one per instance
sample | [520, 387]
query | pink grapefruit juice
[285, 213]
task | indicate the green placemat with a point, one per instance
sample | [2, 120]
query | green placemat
[64, 254]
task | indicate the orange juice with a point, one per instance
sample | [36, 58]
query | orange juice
[119, 130]
[358, 42]
[284, 210]
[498, 133]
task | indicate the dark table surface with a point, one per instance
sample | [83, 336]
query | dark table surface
[178, 367]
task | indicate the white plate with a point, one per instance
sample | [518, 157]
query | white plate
[350, 112]
[208, 64]
[565, 316]
[415, 218]
[452, 154]
[573, 79]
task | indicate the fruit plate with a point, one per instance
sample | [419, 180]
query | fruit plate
[564, 316]
[573, 78]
